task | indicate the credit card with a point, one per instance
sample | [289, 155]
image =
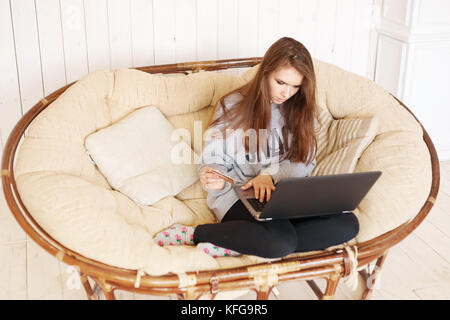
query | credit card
[221, 175]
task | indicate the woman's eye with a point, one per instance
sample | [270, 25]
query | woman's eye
[279, 82]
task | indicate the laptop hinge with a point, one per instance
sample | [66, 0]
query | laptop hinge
[347, 211]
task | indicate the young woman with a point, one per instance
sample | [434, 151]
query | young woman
[273, 120]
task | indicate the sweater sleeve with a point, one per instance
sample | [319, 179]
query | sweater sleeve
[214, 155]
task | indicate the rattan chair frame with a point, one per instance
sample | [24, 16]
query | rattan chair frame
[262, 278]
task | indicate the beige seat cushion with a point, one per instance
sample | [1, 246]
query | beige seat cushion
[74, 203]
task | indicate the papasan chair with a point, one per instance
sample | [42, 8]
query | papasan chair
[65, 204]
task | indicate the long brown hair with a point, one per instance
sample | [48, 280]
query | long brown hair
[299, 111]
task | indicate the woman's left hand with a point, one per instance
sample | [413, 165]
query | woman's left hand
[262, 184]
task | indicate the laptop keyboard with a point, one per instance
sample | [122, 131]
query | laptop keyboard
[258, 206]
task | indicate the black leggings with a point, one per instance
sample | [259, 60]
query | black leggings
[240, 232]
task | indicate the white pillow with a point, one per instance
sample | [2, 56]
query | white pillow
[138, 155]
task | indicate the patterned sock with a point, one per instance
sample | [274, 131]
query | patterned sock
[216, 251]
[176, 235]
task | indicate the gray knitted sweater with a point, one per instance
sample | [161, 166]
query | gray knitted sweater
[227, 156]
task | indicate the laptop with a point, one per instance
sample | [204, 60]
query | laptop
[304, 197]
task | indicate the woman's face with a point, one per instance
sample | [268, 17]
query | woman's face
[284, 82]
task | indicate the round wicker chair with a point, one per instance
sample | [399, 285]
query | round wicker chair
[262, 278]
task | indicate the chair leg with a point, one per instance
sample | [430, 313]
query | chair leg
[87, 287]
[330, 290]
[190, 294]
[312, 284]
[263, 293]
[107, 289]
[109, 294]
[371, 279]
[332, 284]
[179, 296]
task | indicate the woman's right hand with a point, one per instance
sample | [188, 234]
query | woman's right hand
[210, 180]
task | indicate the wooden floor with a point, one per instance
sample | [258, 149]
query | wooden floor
[417, 268]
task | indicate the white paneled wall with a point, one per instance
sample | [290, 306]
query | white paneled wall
[413, 61]
[46, 44]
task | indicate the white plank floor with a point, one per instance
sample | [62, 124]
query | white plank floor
[29, 272]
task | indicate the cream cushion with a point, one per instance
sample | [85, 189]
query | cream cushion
[341, 143]
[143, 156]
[75, 204]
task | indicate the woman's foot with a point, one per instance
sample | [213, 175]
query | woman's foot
[176, 235]
[216, 251]
[179, 234]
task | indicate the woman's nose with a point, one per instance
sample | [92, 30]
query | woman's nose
[285, 93]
